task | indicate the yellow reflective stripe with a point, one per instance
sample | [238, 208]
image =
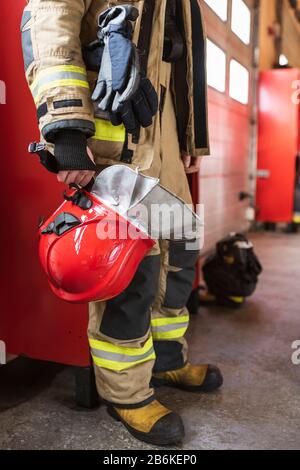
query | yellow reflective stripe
[169, 320]
[61, 83]
[173, 334]
[56, 69]
[115, 357]
[296, 219]
[119, 366]
[169, 327]
[105, 130]
[237, 299]
[55, 77]
[114, 348]
[119, 357]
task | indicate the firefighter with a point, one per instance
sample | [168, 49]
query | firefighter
[136, 339]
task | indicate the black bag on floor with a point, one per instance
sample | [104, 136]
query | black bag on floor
[234, 269]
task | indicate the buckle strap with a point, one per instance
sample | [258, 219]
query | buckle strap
[46, 158]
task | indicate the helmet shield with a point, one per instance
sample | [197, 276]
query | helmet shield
[146, 204]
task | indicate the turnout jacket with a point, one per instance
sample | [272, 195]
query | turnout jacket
[54, 35]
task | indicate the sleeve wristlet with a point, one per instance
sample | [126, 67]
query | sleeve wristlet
[71, 151]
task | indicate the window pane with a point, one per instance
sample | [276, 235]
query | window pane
[219, 7]
[241, 20]
[216, 67]
[239, 82]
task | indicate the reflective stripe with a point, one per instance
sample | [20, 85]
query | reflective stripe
[238, 300]
[55, 77]
[169, 320]
[119, 366]
[55, 69]
[244, 245]
[60, 76]
[114, 357]
[105, 130]
[109, 347]
[61, 83]
[174, 334]
[296, 218]
[117, 357]
[169, 327]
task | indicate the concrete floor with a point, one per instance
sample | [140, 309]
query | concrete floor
[258, 407]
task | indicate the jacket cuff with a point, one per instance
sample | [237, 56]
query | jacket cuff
[84, 126]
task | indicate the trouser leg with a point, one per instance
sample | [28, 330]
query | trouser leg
[170, 317]
[169, 314]
[119, 330]
[121, 341]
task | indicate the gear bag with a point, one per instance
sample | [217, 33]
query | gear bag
[234, 269]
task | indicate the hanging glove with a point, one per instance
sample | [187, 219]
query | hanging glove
[92, 55]
[119, 74]
[138, 111]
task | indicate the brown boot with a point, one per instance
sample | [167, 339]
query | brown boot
[152, 423]
[193, 378]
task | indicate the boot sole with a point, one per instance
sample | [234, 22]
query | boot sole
[157, 440]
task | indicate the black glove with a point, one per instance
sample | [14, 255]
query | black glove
[70, 151]
[139, 110]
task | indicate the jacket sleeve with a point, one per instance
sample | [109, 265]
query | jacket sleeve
[54, 67]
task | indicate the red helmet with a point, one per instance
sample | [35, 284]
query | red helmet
[92, 245]
[79, 265]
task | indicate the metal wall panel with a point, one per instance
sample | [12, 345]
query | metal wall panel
[32, 320]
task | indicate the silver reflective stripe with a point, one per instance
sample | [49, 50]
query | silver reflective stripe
[116, 357]
[52, 77]
[244, 245]
[26, 39]
[174, 326]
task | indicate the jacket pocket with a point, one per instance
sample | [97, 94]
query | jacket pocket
[26, 39]
[105, 153]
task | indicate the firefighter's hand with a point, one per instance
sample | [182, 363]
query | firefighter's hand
[80, 177]
[191, 164]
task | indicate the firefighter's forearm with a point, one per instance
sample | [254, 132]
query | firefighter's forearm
[55, 70]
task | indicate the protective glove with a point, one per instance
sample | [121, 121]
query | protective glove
[70, 151]
[138, 111]
[119, 74]
[92, 55]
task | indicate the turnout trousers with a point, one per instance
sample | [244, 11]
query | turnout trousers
[143, 329]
